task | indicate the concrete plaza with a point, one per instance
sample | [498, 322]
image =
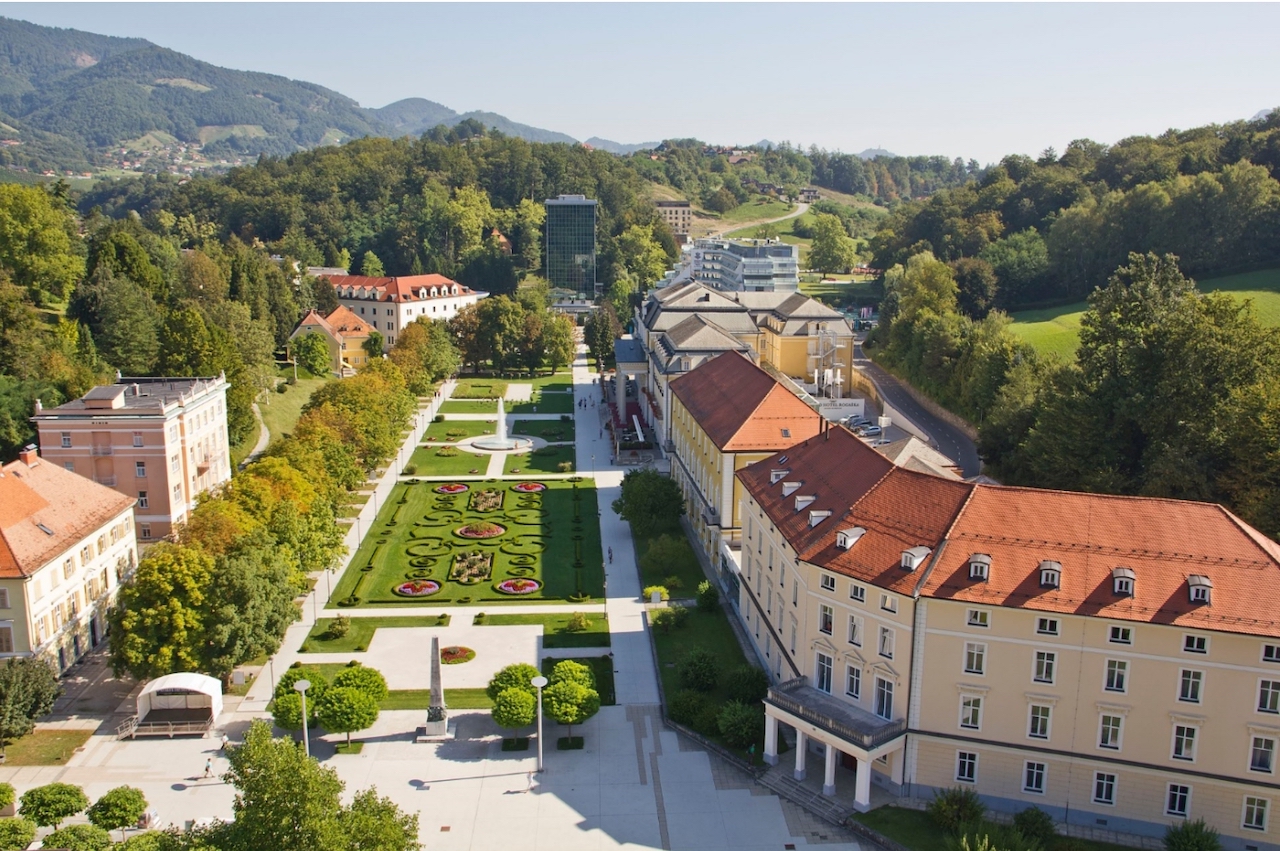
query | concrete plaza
[634, 785]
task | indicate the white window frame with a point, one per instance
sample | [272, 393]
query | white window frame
[1120, 635]
[1048, 626]
[1271, 653]
[1256, 807]
[855, 630]
[65, 439]
[975, 658]
[1268, 747]
[1047, 717]
[1041, 661]
[1041, 772]
[1268, 696]
[826, 620]
[970, 712]
[884, 688]
[1184, 794]
[1116, 677]
[853, 677]
[1183, 679]
[980, 618]
[137, 439]
[1198, 644]
[889, 604]
[819, 670]
[1194, 739]
[1117, 742]
[139, 469]
[885, 642]
[1104, 780]
[857, 593]
[967, 759]
[828, 582]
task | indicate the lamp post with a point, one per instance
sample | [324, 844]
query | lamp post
[593, 467]
[301, 687]
[538, 683]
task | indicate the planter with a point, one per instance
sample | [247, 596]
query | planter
[518, 586]
[477, 531]
[456, 655]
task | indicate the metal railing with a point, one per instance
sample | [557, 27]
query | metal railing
[133, 728]
[108, 481]
[868, 741]
[101, 451]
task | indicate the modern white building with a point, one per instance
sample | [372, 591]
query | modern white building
[389, 304]
[745, 265]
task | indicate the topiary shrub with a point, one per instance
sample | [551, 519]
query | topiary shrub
[80, 837]
[708, 597]
[1192, 836]
[282, 388]
[16, 833]
[663, 593]
[951, 808]
[698, 670]
[338, 627]
[747, 684]
[1036, 825]
[686, 706]
[578, 622]
[663, 620]
[674, 583]
[740, 724]
[438, 418]
[411, 470]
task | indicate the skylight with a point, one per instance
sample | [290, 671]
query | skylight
[44, 528]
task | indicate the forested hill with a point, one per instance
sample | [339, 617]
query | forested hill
[1054, 228]
[415, 116]
[32, 56]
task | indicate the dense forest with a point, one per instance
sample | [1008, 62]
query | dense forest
[1054, 228]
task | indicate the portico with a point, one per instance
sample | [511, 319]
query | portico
[841, 729]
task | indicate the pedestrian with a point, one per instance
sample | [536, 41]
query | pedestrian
[610, 555]
[225, 741]
[208, 767]
[528, 782]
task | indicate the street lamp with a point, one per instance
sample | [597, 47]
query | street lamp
[538, 683]
[593, 466]
[301, 687]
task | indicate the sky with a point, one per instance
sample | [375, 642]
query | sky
[970, 80]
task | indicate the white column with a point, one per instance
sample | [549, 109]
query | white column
[862, 787]
[770, 740]
[802, 745]
[829, 778]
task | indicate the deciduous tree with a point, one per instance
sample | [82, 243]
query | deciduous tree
[48, 805]
[158, 622]
[28, 688]
[347, 710]
[118, 808]
[570, 702]
[650, 502]
[311, 351]
[832, 248]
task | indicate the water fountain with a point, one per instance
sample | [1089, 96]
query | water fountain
[501, 442]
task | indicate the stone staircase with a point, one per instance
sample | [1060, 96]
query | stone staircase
[779, 779]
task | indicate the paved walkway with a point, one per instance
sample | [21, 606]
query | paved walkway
[264, 438]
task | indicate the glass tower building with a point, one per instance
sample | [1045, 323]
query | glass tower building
[571, 244]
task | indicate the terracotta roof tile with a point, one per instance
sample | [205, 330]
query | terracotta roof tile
[45, 495]
[741, 407]
[402, 288]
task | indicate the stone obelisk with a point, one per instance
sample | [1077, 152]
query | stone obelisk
[437, 726]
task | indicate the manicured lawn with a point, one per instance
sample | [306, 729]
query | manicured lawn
[555, 632]
[45, 747]
[562, 380]
[454, 698]
[242, 450]
[601, 666]
[361, 632]
[465, 406]
[549, 430]
[468, 428]
[685, 567]
[280, 411]
[545, 460]
[759, 207]
[711, 632]
[914, 829]
[1057, 329]
[415, 538]
[550, 402]
[429, 463]
[480, 388]
[840, 293]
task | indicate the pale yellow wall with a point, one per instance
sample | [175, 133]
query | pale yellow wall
[790, 355]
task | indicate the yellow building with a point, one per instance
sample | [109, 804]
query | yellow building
[66, 543]
[725, 414]
[1114, 661]
[344, 332]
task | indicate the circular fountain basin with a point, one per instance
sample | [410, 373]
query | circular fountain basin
[495, 443]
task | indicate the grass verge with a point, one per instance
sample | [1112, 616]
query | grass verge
[915, 830]
[555, 629]
[361, 632]
[45, 747]
[601, 666]
[545, 460]
[280, 411]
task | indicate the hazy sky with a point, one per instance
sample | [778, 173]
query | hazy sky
[956, 79]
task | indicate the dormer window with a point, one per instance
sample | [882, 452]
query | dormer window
[1122, 579]
[804, 501]
[1201, 589]
[980, 567]
[789, 488]
[1050, 574]
[776, 476]
[816, 517]
[914, 557]
[846, 538]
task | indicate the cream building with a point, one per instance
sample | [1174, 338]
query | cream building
[389, 304]
[1114, 661]
[344, 333]
[66, 544]
[159, 441]
[678, 215]
[726, 414]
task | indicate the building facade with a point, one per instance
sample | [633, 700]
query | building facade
[344, 333]
[66, 544]
[1109, 660]
[678, 215]
[389, 304]
[571, 243]
[746, 265]
[159, 441]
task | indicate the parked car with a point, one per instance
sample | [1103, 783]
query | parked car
[870, 431]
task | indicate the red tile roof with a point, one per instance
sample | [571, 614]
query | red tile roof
[1162, 541]
[742, 408]
[402, 288]
[45, 495]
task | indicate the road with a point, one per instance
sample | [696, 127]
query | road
[948, 439]
[800, 210]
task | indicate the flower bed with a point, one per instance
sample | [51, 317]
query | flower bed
[487, 500]
[417, 588]
[471, 568]
[480, 530]
[456, 655]
[518, 586]
[452, 488]
[529, 487]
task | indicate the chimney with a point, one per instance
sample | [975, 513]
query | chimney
[39, 407]
[29, 455]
